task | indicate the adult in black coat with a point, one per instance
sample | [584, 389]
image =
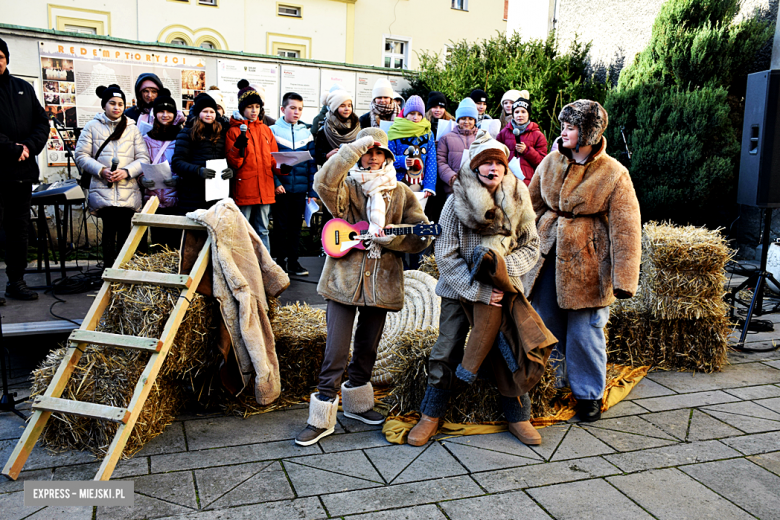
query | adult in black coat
[24, 129]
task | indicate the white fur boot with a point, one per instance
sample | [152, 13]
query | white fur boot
[321, 422]
[358, 403]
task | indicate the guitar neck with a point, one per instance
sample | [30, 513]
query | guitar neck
[408, 230]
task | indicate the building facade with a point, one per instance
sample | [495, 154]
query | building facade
[362, 32]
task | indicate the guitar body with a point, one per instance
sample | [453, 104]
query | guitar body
[336, 232]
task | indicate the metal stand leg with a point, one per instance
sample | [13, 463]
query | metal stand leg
[7, 401]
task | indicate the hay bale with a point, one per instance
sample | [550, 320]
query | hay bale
[428, 266]
[108, 376]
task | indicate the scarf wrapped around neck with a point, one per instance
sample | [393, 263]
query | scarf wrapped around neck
[339, 131]
[383, 113]
[520, 127]
[376, 185]
[403, 127]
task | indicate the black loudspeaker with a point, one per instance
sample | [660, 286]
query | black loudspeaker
[759, 164]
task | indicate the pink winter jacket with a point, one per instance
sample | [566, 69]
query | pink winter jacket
[536, 148]
[168, 197]
[449, 153]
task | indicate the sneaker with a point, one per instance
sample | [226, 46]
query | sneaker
[369, 417]
[20, 291]
[297, 269]
[311, 435]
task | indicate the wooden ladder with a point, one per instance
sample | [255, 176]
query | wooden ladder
[50, 401]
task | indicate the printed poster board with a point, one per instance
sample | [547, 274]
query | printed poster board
[303, 80]
[344, 78]
[230, 72]
[363, 88]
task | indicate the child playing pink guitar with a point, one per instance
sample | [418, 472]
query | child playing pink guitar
[359, 184]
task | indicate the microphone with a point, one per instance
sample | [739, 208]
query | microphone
[114, 164]
[490, 176]
[56, 121]
[243, 129]
[516, 132]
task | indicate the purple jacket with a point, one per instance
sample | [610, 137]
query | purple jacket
[168, 197]
[449, 153]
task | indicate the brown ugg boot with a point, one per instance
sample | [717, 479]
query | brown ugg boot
[485, 323]
[423, 431]
[525, 432]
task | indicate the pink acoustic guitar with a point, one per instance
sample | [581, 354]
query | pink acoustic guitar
[339, 237]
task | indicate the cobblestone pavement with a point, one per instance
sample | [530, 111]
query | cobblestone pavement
[680, 446]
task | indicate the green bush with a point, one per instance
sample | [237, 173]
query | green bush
[499, 64]
[677, 107]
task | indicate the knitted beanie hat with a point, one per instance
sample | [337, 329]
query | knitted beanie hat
[466, 108]
[379, 136]
[325, 94]
[436, 99]
[522, 103]
[4, 50]
[589, 117]
[478, 95]
[247, 95]
[337, 98]
[106, 93]
[489, 150]
[164, 101]
[218, 98]
[382, 88]
[202, 101]
[511, 95]
[414, 104]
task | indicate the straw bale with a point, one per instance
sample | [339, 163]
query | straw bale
[428, 266]
[108, 376]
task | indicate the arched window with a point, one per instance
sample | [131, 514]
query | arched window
[178, 41]
[206, 44]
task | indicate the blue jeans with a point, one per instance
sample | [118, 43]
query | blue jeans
[581, 352]
[258, 217]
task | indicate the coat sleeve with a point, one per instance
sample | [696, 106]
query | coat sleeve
[429, 179]
[181, 156]
[329, 181]
[312, 169]
[234, 159]
[534, 154]
[141, 154]
[321, 148]
[40, 132]
[442, 154]
[83, 155]
[276, 171]
[412, 214]
[625, 236]
[535, 190]
[9, 150]
[400, 160]
[452, 266]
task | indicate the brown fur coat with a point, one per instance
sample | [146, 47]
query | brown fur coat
[597, 252]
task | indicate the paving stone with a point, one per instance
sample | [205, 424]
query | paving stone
[41, 458]
[503, 442]
[11, 427]
[773, 364]
[630, 424]
[58, 513]
[622, 441]
[349, 463]
[143, 507]
[8, 486]
[171, 440]
[268, 485]
[506, 506]
[13, 508]
[551, 439]
[770, 461]
[748, 485]
[218, 432]
[747, 408]
[736, 357]
[674, 422]
[390, 461]
[123, 471]
[215, 482]
[478, 459]
[772, 404]
[755, 392]
[756, 443]
[745, 423]
[426, 512]
[178, 488]
[732, 376]
[672, 402]
[352, 425]
[435, 462]
[675, 455]
[703, 428]
[310, 481]
[232, 455]
[623, 409]
[353, 441]
[402, 495]
[647, 388]
[586, 499]
[545, 474]
[671, 494]
[302, 508]
[578, 443]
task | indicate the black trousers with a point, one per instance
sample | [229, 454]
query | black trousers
[15, 218]
[116, 227]
[288, 219]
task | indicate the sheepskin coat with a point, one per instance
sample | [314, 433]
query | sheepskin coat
[244, 276]
[356, 279]
[597, 239]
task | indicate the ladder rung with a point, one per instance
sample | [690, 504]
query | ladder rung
[115, 340]
[98, 411]
[166, 221]
[180, 281]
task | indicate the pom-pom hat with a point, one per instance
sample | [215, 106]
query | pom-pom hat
[247, 95]
[106, 93]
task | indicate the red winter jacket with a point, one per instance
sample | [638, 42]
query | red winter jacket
[253, 182]
[536, 148]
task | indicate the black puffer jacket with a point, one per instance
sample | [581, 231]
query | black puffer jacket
[23, 121]
[188, 158]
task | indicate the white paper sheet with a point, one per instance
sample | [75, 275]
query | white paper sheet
[444, 128]
[144, 127]
[311, 208]
[385, 125]
[421, 198]
[217, 188]
[514, 166]
[157, 173]
[291, 158]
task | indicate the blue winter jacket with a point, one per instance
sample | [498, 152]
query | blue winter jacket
[296, 138]
[426, 152]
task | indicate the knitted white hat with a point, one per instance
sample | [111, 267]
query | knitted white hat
[325, 93]
[511, 95]
[218, 97]
[382, 88]
[260, 90]
[337, 98]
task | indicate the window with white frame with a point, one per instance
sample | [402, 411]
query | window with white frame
[207, 45]
[460, 5]
[207, 2]
[178, 41]
[80, 29]
[287, 53]
[288, 10]
[396, 53]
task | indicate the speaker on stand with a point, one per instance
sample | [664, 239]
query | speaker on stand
[759, 178]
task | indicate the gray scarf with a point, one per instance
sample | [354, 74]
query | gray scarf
[522, 127]
[339, 131]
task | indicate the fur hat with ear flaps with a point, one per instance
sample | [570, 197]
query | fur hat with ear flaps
[501, 214]
[589, 117]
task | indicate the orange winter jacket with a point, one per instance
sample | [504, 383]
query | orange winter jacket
[253, 182]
